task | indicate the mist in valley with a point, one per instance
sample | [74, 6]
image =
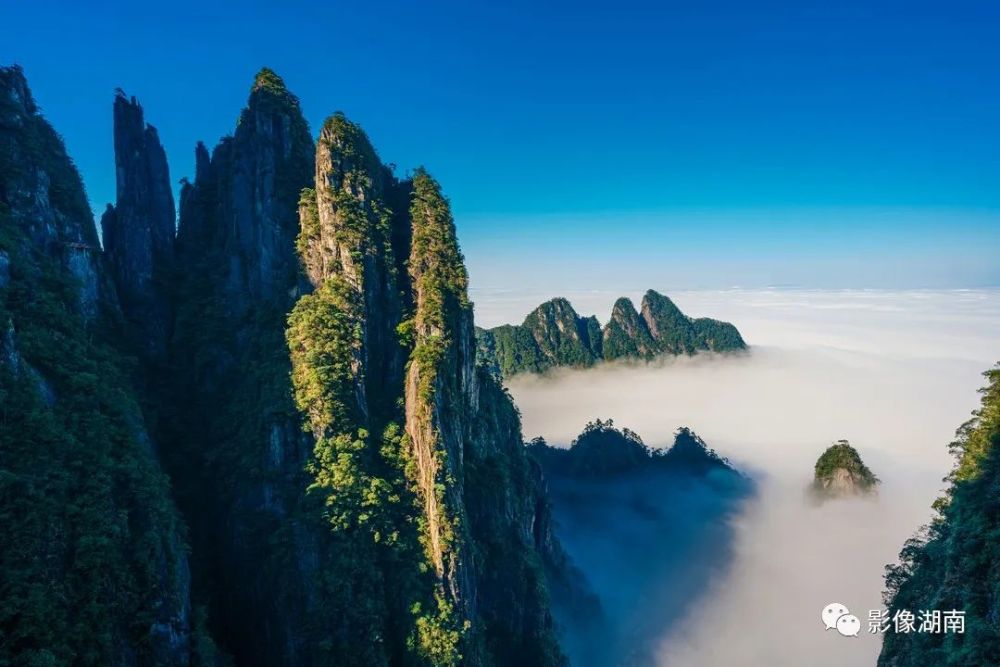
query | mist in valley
[742, 580]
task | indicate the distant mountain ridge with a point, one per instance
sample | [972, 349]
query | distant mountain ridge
[554, 335]
[603, 451]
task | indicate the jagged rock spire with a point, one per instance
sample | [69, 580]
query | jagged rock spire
[139, 228]
[267, 163]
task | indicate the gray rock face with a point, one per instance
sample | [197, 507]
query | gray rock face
[139, 229]
[238, 276]
[269, 163]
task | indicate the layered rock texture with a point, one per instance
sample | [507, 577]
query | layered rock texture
[840, 472]
[93, 564]
[954, 562]
[300, 358]
[554, 335]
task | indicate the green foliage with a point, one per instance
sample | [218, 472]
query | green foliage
[436, 263]
[324, 337]
[517, 351]
[602, 449]
[954, 563]
[309, 228]
[675, 333]
[563, 337]
[439, 635]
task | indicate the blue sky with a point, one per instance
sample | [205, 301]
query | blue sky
[595, 145]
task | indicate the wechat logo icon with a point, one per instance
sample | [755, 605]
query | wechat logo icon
[837, 617]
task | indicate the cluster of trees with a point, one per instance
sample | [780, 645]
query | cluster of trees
[603, 450]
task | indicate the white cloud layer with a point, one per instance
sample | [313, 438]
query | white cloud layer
[894, 372]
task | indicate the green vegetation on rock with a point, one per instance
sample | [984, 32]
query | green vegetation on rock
[840, 471]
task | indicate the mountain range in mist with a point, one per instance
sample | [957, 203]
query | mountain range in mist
[554, 335]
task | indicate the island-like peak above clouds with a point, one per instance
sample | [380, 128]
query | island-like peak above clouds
[554, 335]
[841, 472]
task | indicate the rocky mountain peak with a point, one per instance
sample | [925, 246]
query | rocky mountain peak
[260, 174]
[42, 195]
[139, 228]
[16, 97]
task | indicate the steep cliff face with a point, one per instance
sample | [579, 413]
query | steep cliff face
[138, 231]
[553, 335]
[235, 444]
[412, 441]
[954, 563]
[94, 568]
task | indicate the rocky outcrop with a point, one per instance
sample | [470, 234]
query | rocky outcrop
[553, 335]
[94, 568]
[138, 230]
[840, 472]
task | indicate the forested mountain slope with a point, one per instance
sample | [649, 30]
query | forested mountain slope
[954, 563]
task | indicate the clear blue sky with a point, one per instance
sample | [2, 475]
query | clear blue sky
[595, 145]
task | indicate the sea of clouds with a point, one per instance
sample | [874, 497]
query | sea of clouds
[894, 372]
